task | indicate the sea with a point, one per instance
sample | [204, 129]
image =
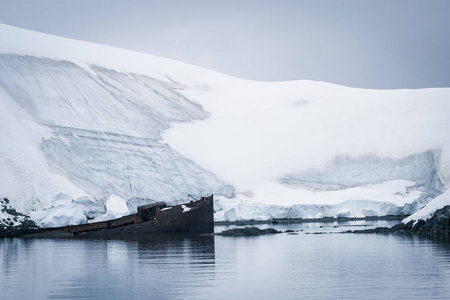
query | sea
[313, 261]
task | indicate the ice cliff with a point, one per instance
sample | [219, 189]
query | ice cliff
[87, 132]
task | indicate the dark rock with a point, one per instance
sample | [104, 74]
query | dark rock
[23, 222]
[248, 231]
[438, 224]
[270, 231]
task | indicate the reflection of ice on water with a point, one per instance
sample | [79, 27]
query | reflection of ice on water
[117, 254]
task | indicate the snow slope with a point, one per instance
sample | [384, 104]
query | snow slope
[427, 212]
[89, 131]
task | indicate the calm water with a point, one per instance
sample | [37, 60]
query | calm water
[302, 266]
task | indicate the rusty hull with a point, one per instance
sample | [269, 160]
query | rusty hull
[189, 218]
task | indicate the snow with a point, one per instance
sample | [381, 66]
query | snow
[65, 131]
[273, 200]
[7, 220]
[389, 198]
[117, 206]
[84, 54]
[90, 132]
[268, 136]
[185, 208]
[428, 211]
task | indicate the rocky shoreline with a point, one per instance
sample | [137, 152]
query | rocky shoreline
[311, 220]
[437, 225]
[248, 231]
[12, 222]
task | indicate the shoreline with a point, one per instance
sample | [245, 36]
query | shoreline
[315, 220]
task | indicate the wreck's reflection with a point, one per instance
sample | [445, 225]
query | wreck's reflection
[100, 269]
[192, 249]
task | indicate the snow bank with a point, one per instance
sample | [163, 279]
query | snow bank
[389, 198]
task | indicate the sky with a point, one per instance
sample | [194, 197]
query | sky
[380, 44]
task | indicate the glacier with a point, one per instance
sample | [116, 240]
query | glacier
[88, 132]
[103, 137]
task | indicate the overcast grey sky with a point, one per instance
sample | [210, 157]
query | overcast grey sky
[370, 44]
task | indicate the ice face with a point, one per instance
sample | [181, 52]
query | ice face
[346, 187]
[60, 93]
[128, 166]
[346, 172]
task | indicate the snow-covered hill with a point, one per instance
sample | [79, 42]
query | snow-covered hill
[89, 131]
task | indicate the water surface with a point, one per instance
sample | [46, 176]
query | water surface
[283, 266]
